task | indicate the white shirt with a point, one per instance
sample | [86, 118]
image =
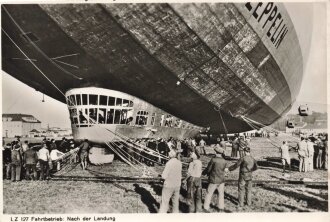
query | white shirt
[195, 168]
[172, 173]
[310, 148]
[55, 154]
[25, 147]
[43, 154]
[285, 151]
[302, 151]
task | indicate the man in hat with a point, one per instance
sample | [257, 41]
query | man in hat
[171, 188]
[247, 165]
[215, 171]
[194, 183]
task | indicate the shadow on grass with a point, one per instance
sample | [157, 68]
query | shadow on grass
[183, 207]
[276, 163]
[147, 198]
[312, 202]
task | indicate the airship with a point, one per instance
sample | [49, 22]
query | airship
[157, 70]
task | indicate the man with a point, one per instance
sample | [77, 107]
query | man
[194, 183]
[64, 145]
[215, 171]
[284, 149]
[202, 145]
[326, 152]
[83, 150]
[25, 146]
[171, 188]
[234, 147]
[163, 149]
[223, 143]
[319, 160]
[247, 165]
[6, 155]
[302, 155]
[53, 145]
[55, 154]
[242, 144]
[44, 159]
[30, 162]
[16, 163]
[310, 155]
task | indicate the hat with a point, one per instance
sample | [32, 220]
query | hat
[172, 154]
[247, 149]
[219, 150]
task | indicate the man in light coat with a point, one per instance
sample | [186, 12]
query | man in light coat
[284, 149]
[302, 154]
[310, 153]
[171, 188]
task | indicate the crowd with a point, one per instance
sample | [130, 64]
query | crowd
[23, 161]
[216, 170]
[313, 153]
[35, 162]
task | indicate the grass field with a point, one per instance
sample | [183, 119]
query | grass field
[62, 196]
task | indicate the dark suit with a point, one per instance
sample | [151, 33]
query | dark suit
[31, 159]
[216, 173]
[247, 165]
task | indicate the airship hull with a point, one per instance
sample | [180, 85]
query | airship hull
[208, 63]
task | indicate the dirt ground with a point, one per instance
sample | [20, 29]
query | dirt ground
[63, 196]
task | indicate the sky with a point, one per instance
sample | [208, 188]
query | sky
[20, 98]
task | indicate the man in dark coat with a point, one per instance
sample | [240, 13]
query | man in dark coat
[216, 173]
[247, 165]
[64, 145]
[30, 162]
[6, 155]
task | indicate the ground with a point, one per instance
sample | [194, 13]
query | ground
[95, 196]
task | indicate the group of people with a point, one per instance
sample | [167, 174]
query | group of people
[216, 171]
[239, 143]
[313, 153]
[22, 161]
